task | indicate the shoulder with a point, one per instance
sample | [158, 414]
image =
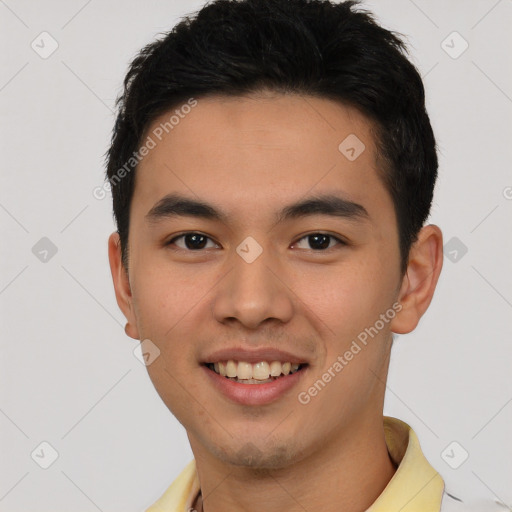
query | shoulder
[452, 503]
[180, 492]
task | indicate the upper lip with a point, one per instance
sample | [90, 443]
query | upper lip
[253, 356]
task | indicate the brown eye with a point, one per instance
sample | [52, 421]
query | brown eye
[320, 241]
[191, 241]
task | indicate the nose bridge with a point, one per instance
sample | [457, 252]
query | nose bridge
[252, 292]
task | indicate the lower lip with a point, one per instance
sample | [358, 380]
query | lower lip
[255, 394]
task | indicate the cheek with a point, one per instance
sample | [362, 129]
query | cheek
[346, 298]
[176, 387]
[165, 315]
[164, 296]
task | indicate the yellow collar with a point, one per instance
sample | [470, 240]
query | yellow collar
[415, 487]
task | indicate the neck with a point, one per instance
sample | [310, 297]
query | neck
[347, 474]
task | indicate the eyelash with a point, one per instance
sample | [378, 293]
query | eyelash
[339, 240]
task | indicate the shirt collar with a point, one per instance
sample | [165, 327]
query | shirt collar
[415, 487]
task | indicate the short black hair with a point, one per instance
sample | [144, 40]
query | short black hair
[308, 47]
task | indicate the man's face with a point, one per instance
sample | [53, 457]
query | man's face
[305, 294]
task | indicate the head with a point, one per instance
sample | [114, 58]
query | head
[296, 132]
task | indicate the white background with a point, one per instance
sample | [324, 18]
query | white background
[68, 374]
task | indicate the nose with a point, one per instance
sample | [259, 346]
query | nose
[253, 293]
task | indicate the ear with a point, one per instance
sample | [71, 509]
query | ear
[122, 285]
[420, 279]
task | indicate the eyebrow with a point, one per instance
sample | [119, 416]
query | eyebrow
[176, 205]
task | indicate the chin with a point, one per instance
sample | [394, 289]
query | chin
[260, 456]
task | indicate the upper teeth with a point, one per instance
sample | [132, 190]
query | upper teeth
[259, 371]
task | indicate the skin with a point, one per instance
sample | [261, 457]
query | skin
[250, 156]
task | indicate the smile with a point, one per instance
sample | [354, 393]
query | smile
[257, 373]
[254, 384]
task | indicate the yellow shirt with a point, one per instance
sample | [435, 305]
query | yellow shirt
[415, 487]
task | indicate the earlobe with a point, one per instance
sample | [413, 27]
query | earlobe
[131, 331]
[420, 279]
[122, 284]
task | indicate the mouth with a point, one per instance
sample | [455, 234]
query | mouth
[262, 372]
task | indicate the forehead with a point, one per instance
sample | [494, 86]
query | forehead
[255, 150]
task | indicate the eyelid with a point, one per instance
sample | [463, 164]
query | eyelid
[185, 233]
[341, 241]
